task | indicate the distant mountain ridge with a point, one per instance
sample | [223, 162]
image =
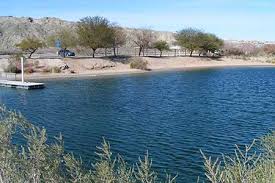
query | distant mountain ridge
[14, 29]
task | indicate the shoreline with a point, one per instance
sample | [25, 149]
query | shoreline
[102, 73]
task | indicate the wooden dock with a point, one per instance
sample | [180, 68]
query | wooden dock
[21, 85]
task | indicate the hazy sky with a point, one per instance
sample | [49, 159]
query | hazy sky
[229, 19]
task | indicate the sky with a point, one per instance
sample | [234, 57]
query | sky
[229, 19]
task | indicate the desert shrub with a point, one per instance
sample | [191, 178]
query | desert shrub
[269, 49]
[234, 52]
[37, 160]
[36, 64]
[46, 70]
[11, 68]
[29, 70]
[14, 65]
[242, 49]
[138, 63]
[55, 70]
[51, 70]
[247, 165]
[272, 61]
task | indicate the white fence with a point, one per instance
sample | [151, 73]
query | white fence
[125, 51]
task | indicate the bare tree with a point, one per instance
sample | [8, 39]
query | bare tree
[143, 39]
[119, 38]
[269, 49]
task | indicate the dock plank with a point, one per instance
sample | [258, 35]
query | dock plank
[21, 85]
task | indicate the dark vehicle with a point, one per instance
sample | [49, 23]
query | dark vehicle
[66, 53]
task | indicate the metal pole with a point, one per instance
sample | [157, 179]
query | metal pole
[22, 69]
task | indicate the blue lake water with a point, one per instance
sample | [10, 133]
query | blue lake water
[170, 114]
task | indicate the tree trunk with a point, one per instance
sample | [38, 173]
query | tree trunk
[160, 54]
[31, 53]
[140, 50]
[94, 52]
[191, 53]
[64, 54]
[114, 48]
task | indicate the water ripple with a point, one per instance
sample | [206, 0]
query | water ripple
[172, 115]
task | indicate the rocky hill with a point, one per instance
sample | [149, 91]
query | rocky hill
[14, 29]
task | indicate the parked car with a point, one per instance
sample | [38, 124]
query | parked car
[65, 53]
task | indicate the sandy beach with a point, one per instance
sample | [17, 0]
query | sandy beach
[89, 67]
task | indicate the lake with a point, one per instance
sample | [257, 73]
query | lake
[170, 114]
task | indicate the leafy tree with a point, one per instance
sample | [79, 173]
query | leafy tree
[118, 38]
[189, 38]
[30, 46]
[161, 46]
[95, 32]
[67, 38]
[143, 39]
[209, 43]
[196, 40]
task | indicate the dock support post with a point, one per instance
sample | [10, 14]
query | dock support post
[22, 69]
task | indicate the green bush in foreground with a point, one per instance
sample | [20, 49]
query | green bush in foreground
[38, 161]
[246, 166]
